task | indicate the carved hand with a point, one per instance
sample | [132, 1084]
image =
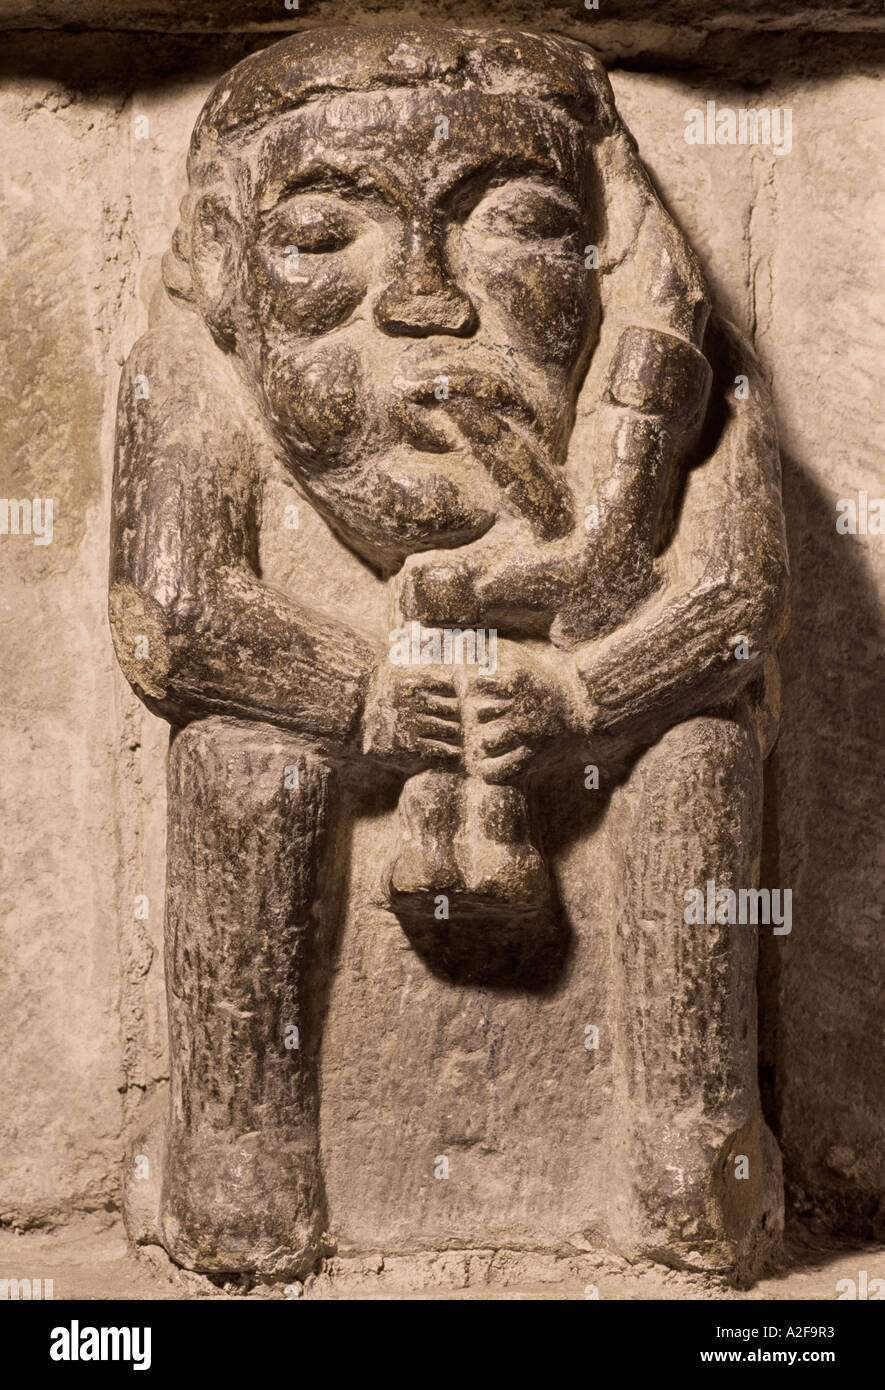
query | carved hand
[413, 717]
[520, 712]
[438, 589]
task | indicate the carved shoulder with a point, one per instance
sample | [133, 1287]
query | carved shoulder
[184, 484]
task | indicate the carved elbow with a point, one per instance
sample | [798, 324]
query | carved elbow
[140, 628]
[771, 602]
[759, 613]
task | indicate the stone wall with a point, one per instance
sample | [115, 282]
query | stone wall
[94, 127]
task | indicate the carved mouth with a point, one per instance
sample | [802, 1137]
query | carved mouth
[480, 387]
[414, 400]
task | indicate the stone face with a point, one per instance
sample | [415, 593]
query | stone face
[489, 369]
[784, 243]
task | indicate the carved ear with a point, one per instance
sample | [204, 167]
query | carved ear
[214, 264]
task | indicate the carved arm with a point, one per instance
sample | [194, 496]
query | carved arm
[195, 629]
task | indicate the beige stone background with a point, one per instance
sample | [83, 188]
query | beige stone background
[793, 247]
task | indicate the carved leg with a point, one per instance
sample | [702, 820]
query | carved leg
[242, 1188]
[700, 1171]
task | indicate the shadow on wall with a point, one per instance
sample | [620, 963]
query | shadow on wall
[822, 1042]
[821, 1019]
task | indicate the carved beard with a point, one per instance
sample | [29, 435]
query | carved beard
[427, 461]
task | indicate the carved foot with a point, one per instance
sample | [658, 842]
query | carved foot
[223, 1208]
[469, 843]
[242, 1207]
[705, 1200]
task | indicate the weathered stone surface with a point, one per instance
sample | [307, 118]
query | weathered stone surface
[777, 238]
[801, 278]
[488, 368]
[60, 904]
[830, 844]
[172, 15]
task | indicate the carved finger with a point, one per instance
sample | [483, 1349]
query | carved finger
[435, 685]
[426, 726]
[499, 687]
[440, 705]
[504, 740]
[506, 767]
[437, 752]
[492, 709]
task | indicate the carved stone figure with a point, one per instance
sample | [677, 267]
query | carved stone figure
[421, 283]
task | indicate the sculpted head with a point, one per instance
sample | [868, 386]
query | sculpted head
[387, 228]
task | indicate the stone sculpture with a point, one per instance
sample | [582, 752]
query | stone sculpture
[422, 274]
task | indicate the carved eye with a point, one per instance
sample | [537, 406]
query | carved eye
[316, 225]
[524, 212]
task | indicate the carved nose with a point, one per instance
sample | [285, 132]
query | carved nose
[422, 299]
